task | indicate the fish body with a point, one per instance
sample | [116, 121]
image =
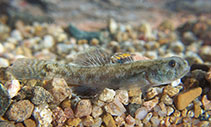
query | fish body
[97, 71]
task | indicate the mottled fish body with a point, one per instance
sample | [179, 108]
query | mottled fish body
[96, 69]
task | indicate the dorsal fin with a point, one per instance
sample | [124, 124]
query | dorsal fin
[92, 57]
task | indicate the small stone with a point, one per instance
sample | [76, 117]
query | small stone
[59, 117]
[29, 123]
[41, 96]
[141, 113]
[184, 112]
[97, 122]
[166, 99]
[163, 110]
[7, 124]
[43, 115]
[190, 113]
[88, 121]
[184, 99]
[120, 120]
[115, 108]
[95, 41]
[147, 118]
[177, 113]
[134, 92]
[152, 92]
[206, 103]
[151, 103]
[155, 121]
[73, 122]
[122, 95]
[60, 90]
[4, 62]
[48, 41]
[130, 120]
[19, 125]
[13, 87]
[197, 110]
[96, 111]
[21, 110]
[66, 104]
[177, 47]
[170, 110]
[131, 108]
[69, 112]
[171, 91]
[17, 35]
[109, 120]
[107, 95]
[5, 100]
[84, 108]
[112, 26]
[136, 100]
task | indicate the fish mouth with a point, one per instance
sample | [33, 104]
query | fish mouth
[184, 72]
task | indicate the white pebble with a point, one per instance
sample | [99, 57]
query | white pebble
[12, 87]
[4, 62]
[141, 113]
[107, 95]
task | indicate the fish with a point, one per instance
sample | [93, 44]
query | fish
[95, 68]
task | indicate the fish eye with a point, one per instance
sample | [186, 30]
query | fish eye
[172, 63]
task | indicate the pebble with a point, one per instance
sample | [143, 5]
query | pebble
[73, 122]
[97, 122]
[131, 108]
[205, 53]
[115, 108]
[4, 62]
[59, 117]
[171, 91]
[166, 99]
[5, 99]
[41, 96]
[17, 35]
[197, 109]
[141, 113]
[147, 118]
[43, 115]
[130, 120]
[96, 111]
[7, 124]
[151, 93]
[84, 108]
[60, 90]
[112, 26]
[170, 110]
[48, 41]
[120, 120]
[69, 112]
[206, 103]
[29, 123]
[13, 87]
[155, 121]
[20, 111]
[88, 121]
[107, 95]
[134, 92]
[122, 96]
[184, 99]
[151, 103]
[1, 48]
[109, 120]
[190, 113]
[163, 110]
[136, 100]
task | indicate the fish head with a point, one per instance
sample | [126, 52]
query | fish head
[167, 70]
